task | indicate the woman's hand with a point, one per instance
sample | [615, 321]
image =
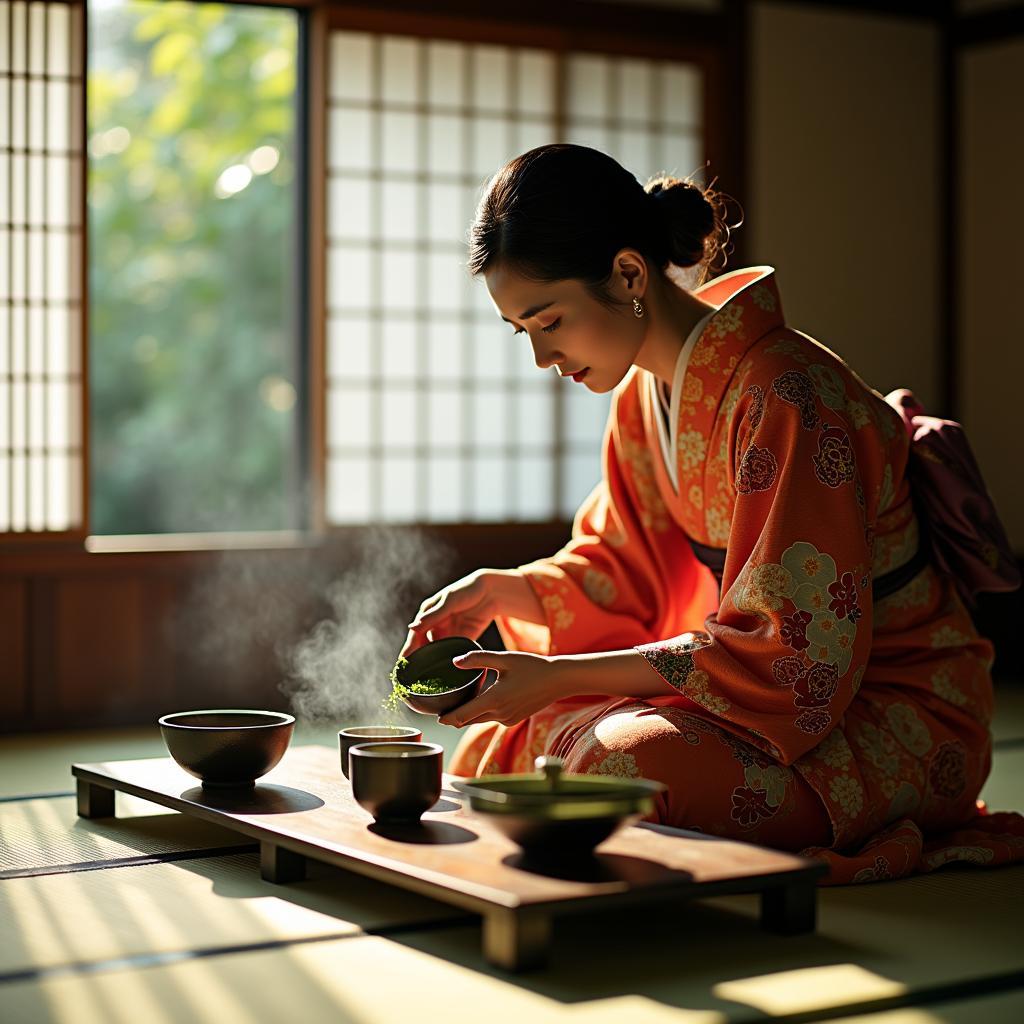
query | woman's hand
[526, 683]
[467, 606]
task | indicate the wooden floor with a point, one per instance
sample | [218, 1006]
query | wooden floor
[155, 918]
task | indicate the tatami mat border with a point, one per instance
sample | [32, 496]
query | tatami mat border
[1011, 743]
[161, 959]
[127, 862]
[36, 796]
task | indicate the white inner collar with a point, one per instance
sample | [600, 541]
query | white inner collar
[667, 433]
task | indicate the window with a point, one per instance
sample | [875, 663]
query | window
[435, 412]
[40, 268]
[196, 365]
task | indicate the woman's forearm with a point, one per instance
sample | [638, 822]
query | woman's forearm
[623, 673]
[517, 598]
[616, 673]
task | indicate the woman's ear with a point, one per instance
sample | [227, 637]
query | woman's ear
[629, 274]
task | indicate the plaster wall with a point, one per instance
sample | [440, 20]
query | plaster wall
[843, 190]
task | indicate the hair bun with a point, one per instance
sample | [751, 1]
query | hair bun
[693, 219]
[563, 211]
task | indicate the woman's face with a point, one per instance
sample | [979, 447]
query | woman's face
[568, 328]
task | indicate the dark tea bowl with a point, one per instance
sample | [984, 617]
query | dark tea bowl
[396, 782]
[348, 738]
[227, 747]
[434, 661]
[558, 818]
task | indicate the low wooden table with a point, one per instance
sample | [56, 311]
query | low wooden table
[304, 809]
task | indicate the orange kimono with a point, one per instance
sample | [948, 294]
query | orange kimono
[811, 708]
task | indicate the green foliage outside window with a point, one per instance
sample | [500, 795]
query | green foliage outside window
[192, 267]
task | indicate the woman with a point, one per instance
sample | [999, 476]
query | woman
[743, 611]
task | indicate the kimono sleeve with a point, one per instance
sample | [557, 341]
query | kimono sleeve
[626, 567]
[783, 656]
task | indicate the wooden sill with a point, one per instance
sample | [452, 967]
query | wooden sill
[498, 545]
[248, 541]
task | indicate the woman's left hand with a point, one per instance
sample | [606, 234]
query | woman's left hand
[525, 684]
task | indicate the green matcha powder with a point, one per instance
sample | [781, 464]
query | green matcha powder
[399, 690]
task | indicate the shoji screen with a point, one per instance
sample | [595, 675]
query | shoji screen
[40, 269]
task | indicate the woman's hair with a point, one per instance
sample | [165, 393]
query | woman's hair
[563, 211]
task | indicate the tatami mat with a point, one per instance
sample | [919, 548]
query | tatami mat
[1004, 789]
[41, 762]
[873, 942]
[360, 980]
[706, 963]
[220, 902]
[47, 833]
[1008, 721]
[1004, 1008]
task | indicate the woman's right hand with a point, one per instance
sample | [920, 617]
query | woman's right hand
[467, 606]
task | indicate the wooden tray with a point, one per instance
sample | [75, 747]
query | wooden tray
[304, 808]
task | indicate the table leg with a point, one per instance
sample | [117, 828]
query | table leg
[516, 940]
[790, 909]
[280, 865]
[94, 801]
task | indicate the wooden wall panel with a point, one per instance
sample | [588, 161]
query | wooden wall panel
[99, 650]
[14, 694]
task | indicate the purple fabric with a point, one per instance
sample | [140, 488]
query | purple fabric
[968, 540]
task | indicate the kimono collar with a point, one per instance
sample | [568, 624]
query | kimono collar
[749, 307]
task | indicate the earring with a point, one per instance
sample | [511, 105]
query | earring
[638, 310]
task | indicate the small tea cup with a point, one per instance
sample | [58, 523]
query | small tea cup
[396, 782]
[347, 738]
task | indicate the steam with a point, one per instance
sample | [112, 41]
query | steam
[323, 626]
[339, 670]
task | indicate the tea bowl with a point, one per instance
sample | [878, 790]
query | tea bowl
[434, 661]
[229, 747]
[348, 738]
[556, 817]
[396, 782]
